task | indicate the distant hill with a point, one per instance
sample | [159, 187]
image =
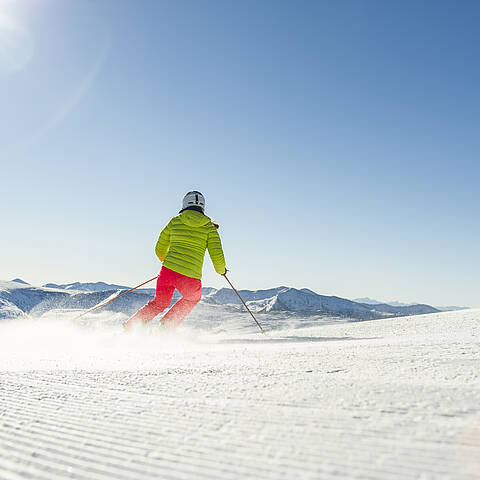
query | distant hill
[372, 301]
[87, 287]
[452, 308]
[393, 303]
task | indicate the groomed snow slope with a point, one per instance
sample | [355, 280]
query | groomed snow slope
[384, 399]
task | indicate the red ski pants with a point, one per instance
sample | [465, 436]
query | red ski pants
[168, 280]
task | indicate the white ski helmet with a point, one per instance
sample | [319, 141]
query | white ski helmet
[193, 199]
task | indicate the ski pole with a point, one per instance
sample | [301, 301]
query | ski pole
[245, 305]
[115, 298]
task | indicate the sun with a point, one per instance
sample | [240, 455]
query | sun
[16, 44]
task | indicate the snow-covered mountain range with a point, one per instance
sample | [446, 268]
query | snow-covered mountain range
[18, 298]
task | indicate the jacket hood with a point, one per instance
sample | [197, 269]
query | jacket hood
[193, 218]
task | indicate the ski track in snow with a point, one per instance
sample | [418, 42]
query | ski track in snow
[383, 399]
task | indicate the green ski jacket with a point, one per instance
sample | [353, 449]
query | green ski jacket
[182, 243]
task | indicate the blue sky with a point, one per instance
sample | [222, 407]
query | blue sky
[336, 142]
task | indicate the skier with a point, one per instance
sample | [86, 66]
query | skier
[181, 249]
